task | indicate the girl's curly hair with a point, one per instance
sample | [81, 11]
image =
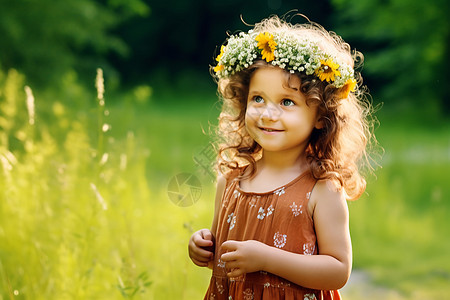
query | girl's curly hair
[336, 152]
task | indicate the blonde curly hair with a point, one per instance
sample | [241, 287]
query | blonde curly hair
[336, 152]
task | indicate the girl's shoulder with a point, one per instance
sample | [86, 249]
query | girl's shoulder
[326, 193]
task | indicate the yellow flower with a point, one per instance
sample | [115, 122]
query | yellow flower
[222, 51]
[328, 70]
[267, 45]
[348, 87]
[218, 68]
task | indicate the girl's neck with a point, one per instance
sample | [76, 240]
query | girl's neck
[285, 161]
[274, 170]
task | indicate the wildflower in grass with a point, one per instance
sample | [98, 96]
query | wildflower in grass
[100, 85]
[30, 105]
[106, 127]
[99, 197]
[104, 159]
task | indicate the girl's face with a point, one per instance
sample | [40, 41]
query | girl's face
[277, 116]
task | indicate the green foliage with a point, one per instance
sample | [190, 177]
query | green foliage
[406, 45]
[45, 38]
[63, 231]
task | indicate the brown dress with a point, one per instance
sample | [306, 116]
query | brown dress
[278, 218]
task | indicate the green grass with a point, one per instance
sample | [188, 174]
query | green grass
[74, 226]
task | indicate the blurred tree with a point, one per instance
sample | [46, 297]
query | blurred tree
[45, 38]
[184, 34]
[406, 44]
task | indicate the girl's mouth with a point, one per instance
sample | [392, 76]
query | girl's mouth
[270, 130]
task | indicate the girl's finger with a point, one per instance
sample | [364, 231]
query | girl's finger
[229, 246]
[199, 263]
[226, 257]
[200, 252]
[206, 234]
[231, 265]
[234, 273]
[201, 242]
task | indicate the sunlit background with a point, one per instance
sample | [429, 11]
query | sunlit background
[106, 104]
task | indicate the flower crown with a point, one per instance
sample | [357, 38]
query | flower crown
[286, 51]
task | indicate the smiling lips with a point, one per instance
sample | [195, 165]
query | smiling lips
[270, 130]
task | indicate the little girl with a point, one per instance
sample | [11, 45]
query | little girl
[294, 130]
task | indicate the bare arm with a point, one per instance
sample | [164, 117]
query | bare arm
[327, 271]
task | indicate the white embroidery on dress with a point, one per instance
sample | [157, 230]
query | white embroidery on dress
[270, 210]
[236, 193]
[252, 202]
[267, 284]
[296, 210]
[248, 294]
[230, 216]
[231, 220]
[279, 192]
[212, 296]
[220, 263]
[308, 249]
[261, 213]
[310, 297]
[220, 288]
[279, 240]
[308, 195]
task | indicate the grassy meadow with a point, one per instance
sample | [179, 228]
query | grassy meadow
[85, 211]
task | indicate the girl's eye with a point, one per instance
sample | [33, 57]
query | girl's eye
[258, 99]
[287, 102]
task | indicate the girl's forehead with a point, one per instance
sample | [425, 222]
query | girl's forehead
[269, 76]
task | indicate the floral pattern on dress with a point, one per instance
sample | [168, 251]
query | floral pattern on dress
[310, 297]
[280, 191]
[252, 202]
[221, 263]
[248, 294]
[220, 287]
[279, 240]
[261, 213]
[231, 220]
[270, 210]
[308, 249]
[296, 210]
[236, 194]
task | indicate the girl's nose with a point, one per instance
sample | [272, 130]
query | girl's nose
[270, 112]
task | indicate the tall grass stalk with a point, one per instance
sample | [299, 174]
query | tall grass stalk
[67, 207]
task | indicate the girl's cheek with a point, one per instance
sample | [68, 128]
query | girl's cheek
[251, 115]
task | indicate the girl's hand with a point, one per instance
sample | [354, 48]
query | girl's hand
[201, 245]
[243, 257]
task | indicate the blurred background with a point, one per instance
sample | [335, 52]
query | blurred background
[104, 104]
